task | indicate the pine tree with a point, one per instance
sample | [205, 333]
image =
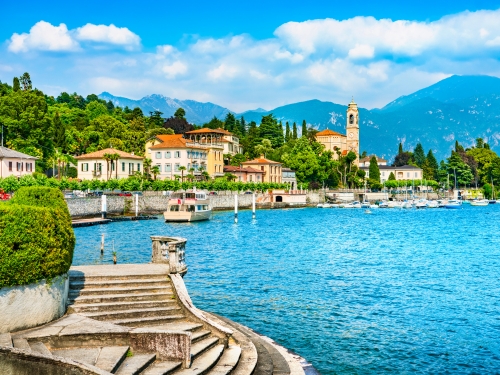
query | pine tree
[16, 86]
[432, 164]
[400, 151]
[304, 128]
[391, 177]
[419, 155]
[230, 122]
[59, 133]
[25, 81]
[294, 134]
[287, 132]
[243, 126]
[374, 170]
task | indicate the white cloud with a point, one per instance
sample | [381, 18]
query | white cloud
[361, 51]
[175, 69]
[44, 37]
[165, 50]
[223, 71]
[107, 34]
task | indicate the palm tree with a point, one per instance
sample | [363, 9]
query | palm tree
[107, 157]
[147, 168]
[182, 169]
[114, 161]
[155, 171]
[229, 176]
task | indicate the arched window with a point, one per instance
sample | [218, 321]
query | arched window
[351, 119]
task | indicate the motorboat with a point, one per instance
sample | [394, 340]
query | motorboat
[383, 204]
[365, 204]
[394, 204]
[406, 205]
[320, 205]
[453, 204]
[188, 206]
[355, 204]
[479, 202]
[432, 204]
[374, 206]
[441, 203]
[421, 203]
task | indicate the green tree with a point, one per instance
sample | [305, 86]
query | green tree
[180, 113]
[25, 82]
[243, 126]
[16, 86]
[294, 132]
[264, 148]
[214, 123]
[182, 169]
[59, 133]
[391, 177]
[304, 128]
[419, 155]
[288, 135]
[155, 170]
[270, 129]
[374, 170]
[237, 159]
[230, 123]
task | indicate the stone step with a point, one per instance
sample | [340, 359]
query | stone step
[199, 335]
[85, 355]
[135, 364]
[111, 357]
[204, 362]
[133, 313]
[162, 368]
[21, 344]
[84, 284]
[113, 306]
[78, 276]
[149, 321]
[120, 290]
[6, 340]
[39, 347]
[110, 298]
[228, 361]
[202, 346]
[179, 325]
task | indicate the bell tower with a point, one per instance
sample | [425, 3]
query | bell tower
[352, 128]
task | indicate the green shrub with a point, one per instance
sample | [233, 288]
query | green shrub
[40, 196]
[36, 237]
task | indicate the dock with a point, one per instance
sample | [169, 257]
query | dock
[98, 221]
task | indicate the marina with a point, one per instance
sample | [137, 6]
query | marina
[369, 295]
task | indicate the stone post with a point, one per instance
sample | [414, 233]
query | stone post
[170, 251]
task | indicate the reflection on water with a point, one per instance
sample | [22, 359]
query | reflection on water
[391, 292]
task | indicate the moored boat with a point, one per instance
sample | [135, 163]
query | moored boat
[432, 204]
[479, 202]
[453, 204]
[421, 203]
[354, 204]
[188, 206]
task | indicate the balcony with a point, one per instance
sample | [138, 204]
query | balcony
[96, 173]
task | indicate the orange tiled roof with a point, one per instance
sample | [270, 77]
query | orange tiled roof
[100, 154]
[261, 160]
[329, 132]
[232, 168]
[368, 158]
[207, 130]
[174, 141]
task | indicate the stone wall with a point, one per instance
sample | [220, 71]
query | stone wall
[27, 306]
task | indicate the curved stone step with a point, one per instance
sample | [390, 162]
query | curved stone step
[6, 340]
[200, 335]
[228, 361]
[204, 362]
[133, 313]
[85, 355]
[180, 325]
[162, 368]
[20, 343]
[121, 297]
[113, 306]
[202, 346]
[142, 322]
[121, 290]
[86, 284]
[135, 364]
[40, 347]
[111, 357]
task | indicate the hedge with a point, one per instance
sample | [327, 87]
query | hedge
[36, 242]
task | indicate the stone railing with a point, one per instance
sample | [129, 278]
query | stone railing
[171, 251]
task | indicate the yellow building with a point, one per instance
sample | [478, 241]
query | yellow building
[272, 169]
[340, 143]
[95, 165]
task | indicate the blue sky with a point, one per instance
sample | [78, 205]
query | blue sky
[245, 55]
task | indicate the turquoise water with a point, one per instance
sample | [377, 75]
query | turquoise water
[394, 292]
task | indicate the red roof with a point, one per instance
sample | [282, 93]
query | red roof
[172, 141]
[261, 160]
[207, 130]
[232, 168]
[329, 132]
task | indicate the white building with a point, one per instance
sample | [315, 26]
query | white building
[95, 166]
[406, 172]
[15, 163]
[365, 162]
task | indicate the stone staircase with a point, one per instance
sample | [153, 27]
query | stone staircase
[106, 303]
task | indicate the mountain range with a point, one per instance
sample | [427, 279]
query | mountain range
[459, 108]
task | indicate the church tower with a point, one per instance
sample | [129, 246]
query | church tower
[352, 128]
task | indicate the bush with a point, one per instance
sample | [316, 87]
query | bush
[36, 237]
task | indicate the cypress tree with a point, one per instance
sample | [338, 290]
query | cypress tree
[230, 122]
[287, 132]
[400, 151]
[392, 177]
[294, 135]
[432, 164]
[59, 133]
[419, 155]
[304, 128]
[374, 171]
[16, 86]
[243, 126]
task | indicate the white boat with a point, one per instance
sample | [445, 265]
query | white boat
[372, 206]
[406, 205]
[365, 204]
[421, 203]
[465, 201]
[354, 204]
[453, 204]
[479, 202]
[320, 205]
[442, 202]
[432, 204]
[188, 206]
[394, 204]
[335, 205]
[383, 204]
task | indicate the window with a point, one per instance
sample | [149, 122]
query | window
[351, 119]
[123, 167]
[174, 208]
[85, 167]
[168, 167]
[250, 178]
[177, 154]
[177, 166]
[112, 165]
[159, 167]
[28, 167]
[167, 155]
[407, 174]
[138, 167]
[258, 178]
[130, 168]
[10, 166]
[158, 155]
[19, 166]
[383, 174]
[416, 174]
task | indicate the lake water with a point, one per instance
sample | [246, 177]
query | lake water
[393, 292]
